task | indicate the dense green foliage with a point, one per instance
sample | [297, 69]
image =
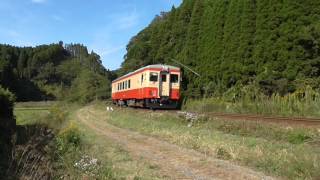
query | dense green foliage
[7, 129]
[48, 72]
[271, 44]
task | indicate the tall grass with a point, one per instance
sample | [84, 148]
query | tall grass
[304, 102]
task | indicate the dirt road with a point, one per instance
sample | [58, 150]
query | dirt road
[174, 162]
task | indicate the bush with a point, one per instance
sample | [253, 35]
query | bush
[7, 128]
[6, 104]
[68, 139]
[57, 117]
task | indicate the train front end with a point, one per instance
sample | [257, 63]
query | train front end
[166, 79]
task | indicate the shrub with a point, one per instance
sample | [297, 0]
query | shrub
[6, 104]
[57, 117]
[68, 139]
[7, 128]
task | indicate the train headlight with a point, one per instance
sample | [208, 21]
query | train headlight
[153, 93]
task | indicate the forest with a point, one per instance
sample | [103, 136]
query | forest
[54, 72]
[271, 45]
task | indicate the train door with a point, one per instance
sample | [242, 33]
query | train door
[164, 84]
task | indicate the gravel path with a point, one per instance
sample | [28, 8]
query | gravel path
[175, 162]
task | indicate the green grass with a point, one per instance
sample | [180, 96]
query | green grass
[292, 153]
[35, 104]
[30, 116]
[32, 112]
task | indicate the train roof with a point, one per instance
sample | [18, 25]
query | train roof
[157, 66]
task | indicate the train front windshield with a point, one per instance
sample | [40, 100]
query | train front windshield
[174, 78]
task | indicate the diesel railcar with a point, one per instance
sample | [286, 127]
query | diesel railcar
[153, 86]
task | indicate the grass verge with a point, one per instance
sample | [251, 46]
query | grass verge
[288, 152]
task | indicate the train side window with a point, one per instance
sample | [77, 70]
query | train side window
[154, 77]
[129, 81]
[174, 78]
[141, 78]
[125, 84]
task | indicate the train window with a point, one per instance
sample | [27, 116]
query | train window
[125, 84]
[154, 77]
[120, 86]
[164, 78]
[129, 83]
[141, 78]
[174, 78]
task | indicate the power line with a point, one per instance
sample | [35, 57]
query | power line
[186, 67]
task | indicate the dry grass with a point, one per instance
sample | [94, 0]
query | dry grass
[288, 156]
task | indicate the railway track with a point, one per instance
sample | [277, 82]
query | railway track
[303, 121]
[271, 119]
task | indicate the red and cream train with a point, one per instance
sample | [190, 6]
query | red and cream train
[153, 86]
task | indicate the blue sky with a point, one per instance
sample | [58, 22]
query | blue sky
[104, 26]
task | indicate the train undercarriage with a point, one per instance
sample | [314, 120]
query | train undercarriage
[159, 103]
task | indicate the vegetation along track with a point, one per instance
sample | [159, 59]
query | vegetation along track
[174, 161]
[299, 121]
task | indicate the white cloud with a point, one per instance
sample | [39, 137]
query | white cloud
[38, 1]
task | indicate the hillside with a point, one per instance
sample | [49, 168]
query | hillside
[273, 45]
[55, 71]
